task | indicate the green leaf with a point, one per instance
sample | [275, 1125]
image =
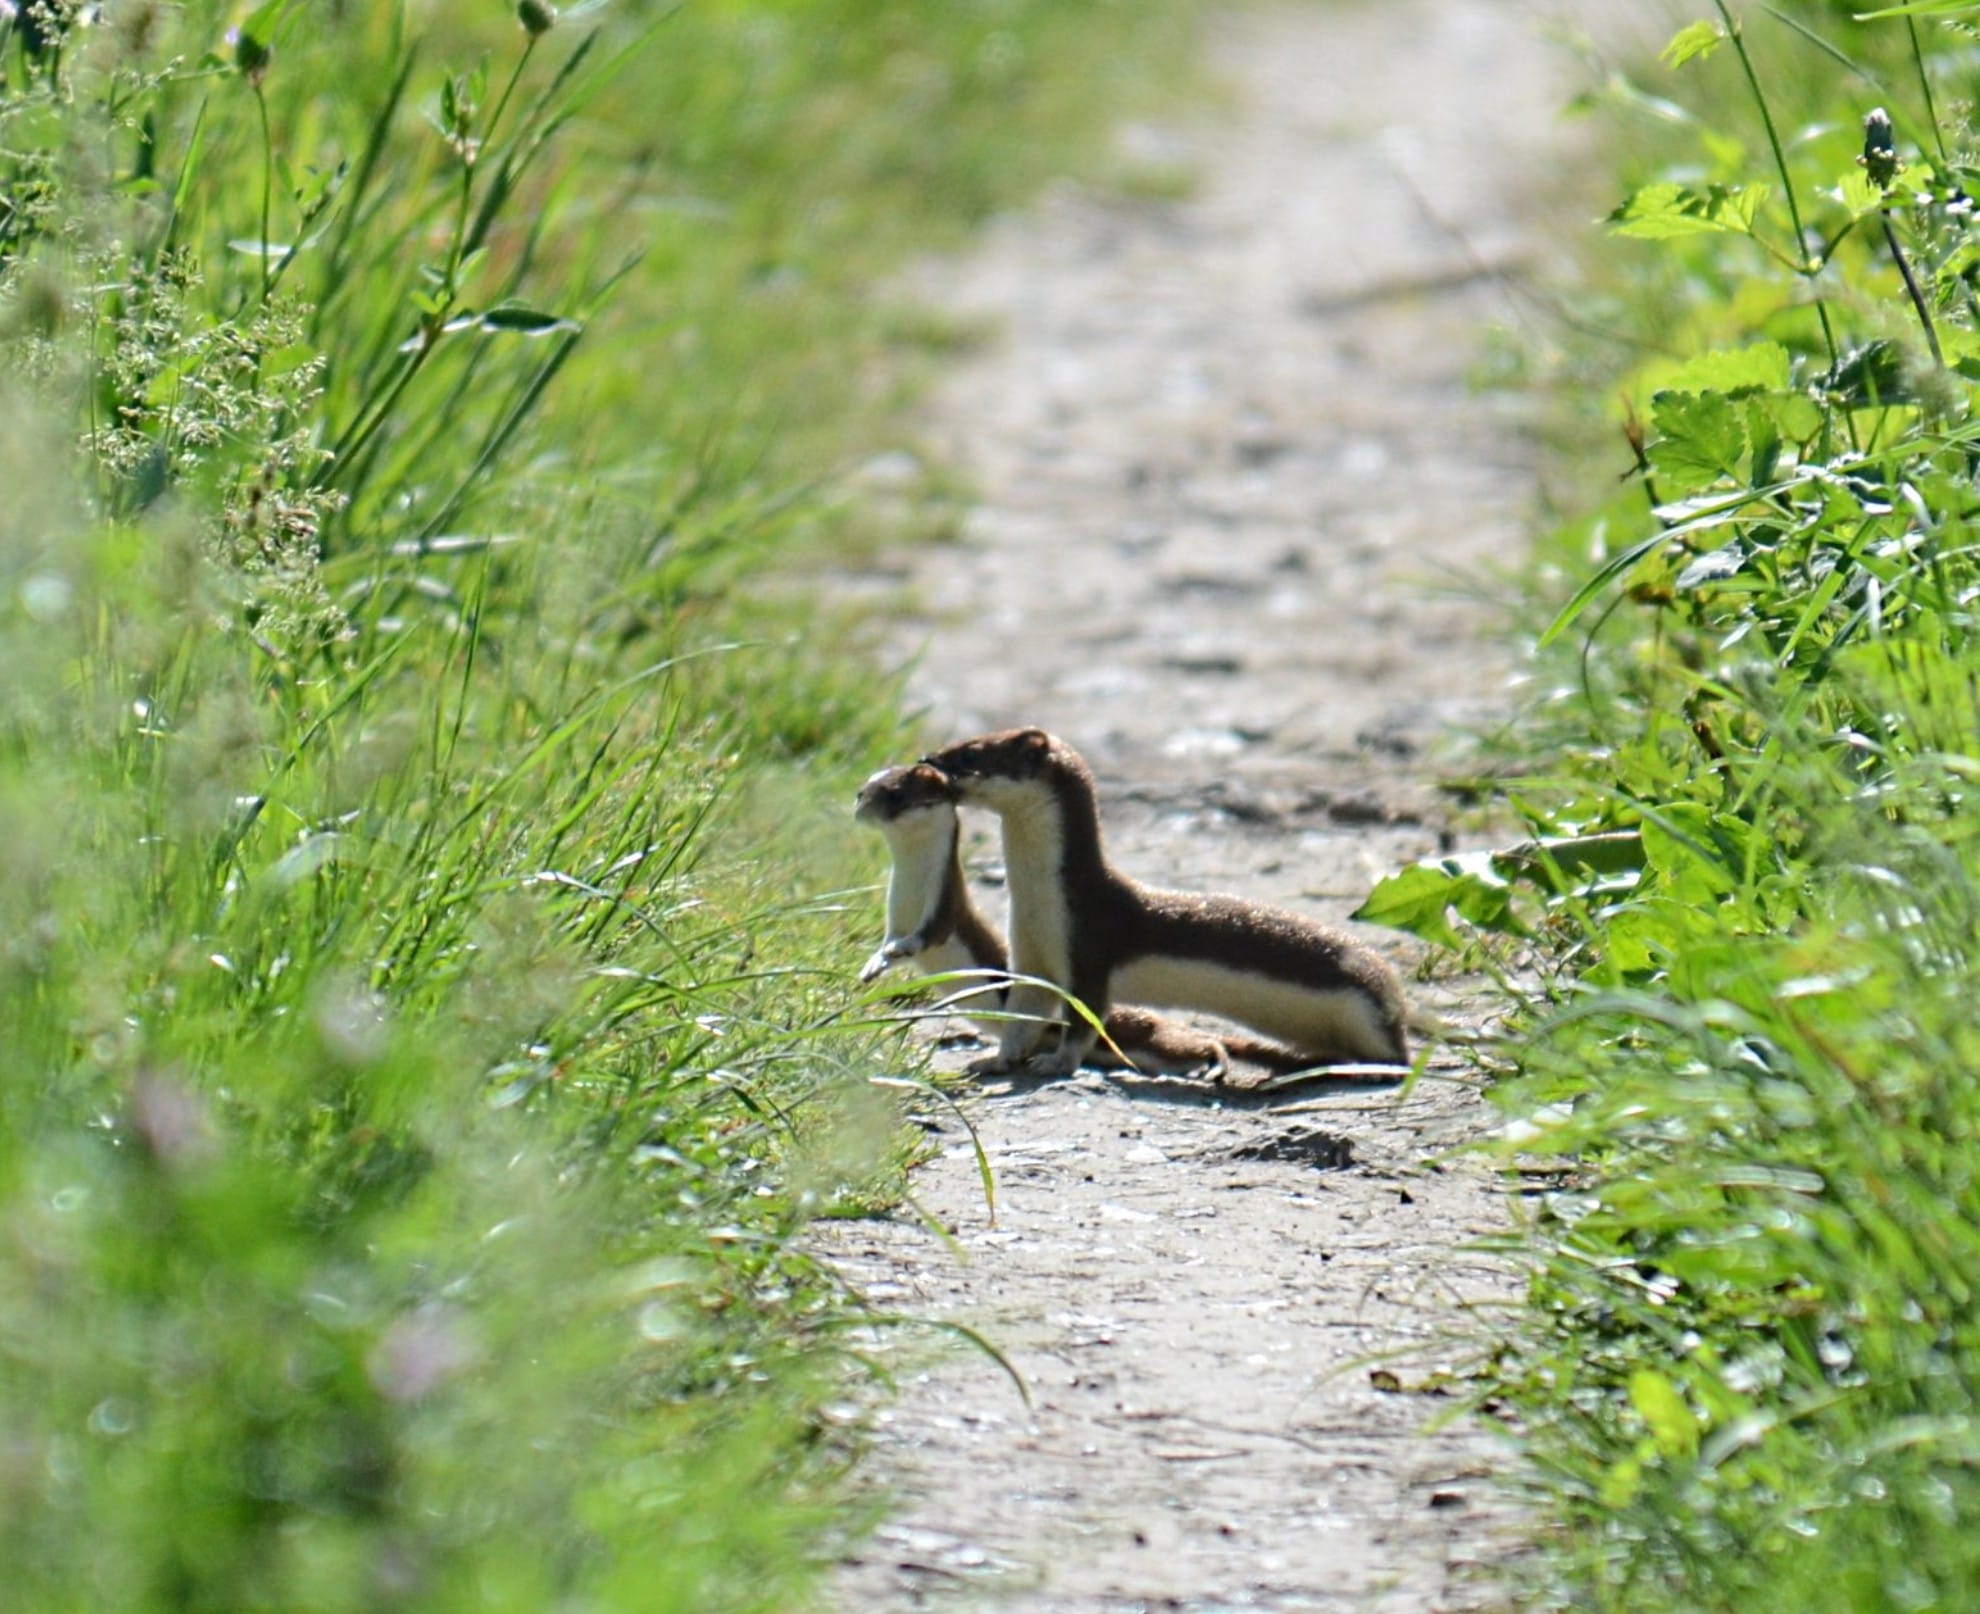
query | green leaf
[1700, 856]
[1621, 1483]
[1921, 8]
[1665, 1412]
[259, 24]
[1420, 898]
[1666, 210]
[525, 321]
[1762, 366]
[1577, 863]
[1859, 194]
[1962, 349]
[1795, 415]
[1700, 439]
[1698, 39]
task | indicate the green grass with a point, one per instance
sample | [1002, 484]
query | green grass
[423, 946]
[1740, 946]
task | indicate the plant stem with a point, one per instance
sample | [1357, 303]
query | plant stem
[1911, 285]
[470, 160]
[267, 184]
[1925, 85]
[509, 89]
[1780, 166]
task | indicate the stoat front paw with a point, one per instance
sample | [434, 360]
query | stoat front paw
[1058, 1062]
[885, 957]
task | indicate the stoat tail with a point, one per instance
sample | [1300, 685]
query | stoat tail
[1273, 1056]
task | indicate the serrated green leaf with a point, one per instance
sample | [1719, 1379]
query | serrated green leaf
[1762, 366]
[1666, 210]
[1700, 438]
[1420, 898]
[1697, 39]
[1795, 415]
[1859, 195]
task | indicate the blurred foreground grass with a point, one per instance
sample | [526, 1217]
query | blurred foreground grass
[425, 1031]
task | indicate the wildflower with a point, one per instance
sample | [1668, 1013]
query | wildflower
[538, 17]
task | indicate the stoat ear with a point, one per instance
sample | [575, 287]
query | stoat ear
[931, 780]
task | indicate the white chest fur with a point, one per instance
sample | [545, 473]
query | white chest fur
[1041, 924]
[1041, 918]
[922, 844]
[919, 842]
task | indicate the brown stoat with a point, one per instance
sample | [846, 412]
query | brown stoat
[932, 920]
[1081, 924]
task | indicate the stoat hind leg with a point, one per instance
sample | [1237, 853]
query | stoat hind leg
[1159, 1047]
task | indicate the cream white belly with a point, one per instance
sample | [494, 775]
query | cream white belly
[1335, 1022]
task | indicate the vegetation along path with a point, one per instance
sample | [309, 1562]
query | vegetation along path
[1226, 453]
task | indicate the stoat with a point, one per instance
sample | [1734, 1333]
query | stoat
[1078, 922]
[932, 920]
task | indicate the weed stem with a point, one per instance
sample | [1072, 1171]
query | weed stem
[267, 182]
[1805, 269]
[1925, 87]
[1911, 285]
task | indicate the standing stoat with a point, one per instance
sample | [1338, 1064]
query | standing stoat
[1079, 923]
[932, 920]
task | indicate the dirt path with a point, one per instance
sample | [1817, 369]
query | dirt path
[1226, 456]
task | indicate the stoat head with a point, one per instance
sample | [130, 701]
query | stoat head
[896, 797]
[1004, 770]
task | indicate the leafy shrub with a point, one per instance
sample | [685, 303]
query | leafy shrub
[1749, 1363]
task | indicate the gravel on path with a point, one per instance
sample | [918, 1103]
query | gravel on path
[1232, 479]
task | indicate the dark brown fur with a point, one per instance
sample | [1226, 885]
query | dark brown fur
[1116, 920]
[1164, 1044]
[902, 790]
